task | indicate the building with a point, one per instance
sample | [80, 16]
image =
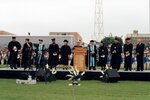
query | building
[72, 37]
[75, 35]
[34, 39]
[143, 36]
[5, 33]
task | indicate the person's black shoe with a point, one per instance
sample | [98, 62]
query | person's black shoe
[94, 68]
[15, 67]
[89, 68]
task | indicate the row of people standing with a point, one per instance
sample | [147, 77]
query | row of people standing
[42, 57]
[116, 51]
[139, 53]
[92, 52]
[14, 48]
[57, 56]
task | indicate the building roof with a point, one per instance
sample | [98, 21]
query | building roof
[138, 35]
[63, 33]
[5, 33]
[76, 35]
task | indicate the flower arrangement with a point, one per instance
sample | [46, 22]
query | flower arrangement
[75, 76]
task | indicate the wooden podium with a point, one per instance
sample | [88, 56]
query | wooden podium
[79, 54]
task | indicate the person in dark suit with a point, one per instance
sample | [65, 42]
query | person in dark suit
[116, 50]
[139, 55]
[91, 54]
[13, 46]
[26, 54]
[102, 53]
[128, 47]
[53, 50]
[65, 53]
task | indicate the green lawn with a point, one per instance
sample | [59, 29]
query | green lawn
[89, 90]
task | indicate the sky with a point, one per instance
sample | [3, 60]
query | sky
[39, 17]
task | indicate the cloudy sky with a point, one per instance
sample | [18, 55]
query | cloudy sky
[39, 17]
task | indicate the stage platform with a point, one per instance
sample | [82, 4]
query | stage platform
[89, 74]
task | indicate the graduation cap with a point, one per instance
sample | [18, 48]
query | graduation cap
[116, 38]
[27, 39]
[13, 37]
[91, 40]
[66, 41]
[102, 42]
[41, 40]
[53, 39]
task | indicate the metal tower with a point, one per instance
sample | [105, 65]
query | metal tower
[98, 23]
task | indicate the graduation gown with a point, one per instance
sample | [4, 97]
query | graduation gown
[102, 53]
[40, 49]
[53, 55]
[116, 58]
[65, 51]
[140, 55]
[128, 56]
[91, 58]
[13, 54]
[26, 54]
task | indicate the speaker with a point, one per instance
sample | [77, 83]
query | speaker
[111, 75]
[40, 72]
[24, 76]
[45, 75]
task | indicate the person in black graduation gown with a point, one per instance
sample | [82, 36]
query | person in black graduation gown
[65, 53]
[26, 54]
[102, 55]
[13, 46]
[53, 54]
[91, 54]
[40, 50]
[116, 50]
[128, 54]
[140, 55]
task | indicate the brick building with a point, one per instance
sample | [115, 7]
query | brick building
[143, 36]
[5, 33]
[75, 35]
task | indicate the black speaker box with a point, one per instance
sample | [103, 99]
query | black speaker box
[45, 75]
[24, 76]
[111, 75]
[40, 72]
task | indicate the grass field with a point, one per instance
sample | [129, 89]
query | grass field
[89, 90]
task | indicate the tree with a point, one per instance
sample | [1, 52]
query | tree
[109, 40]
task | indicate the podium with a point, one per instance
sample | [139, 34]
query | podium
[79, 54]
